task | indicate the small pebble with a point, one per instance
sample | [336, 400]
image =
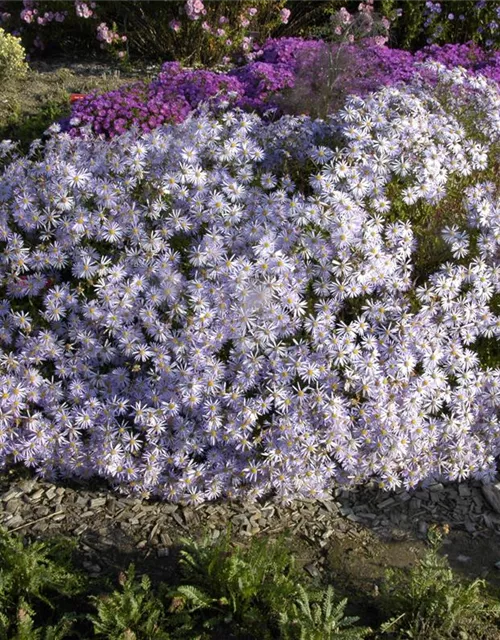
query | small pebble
[462, 558]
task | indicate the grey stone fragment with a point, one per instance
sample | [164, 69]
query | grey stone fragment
[13, 505]
[15, 521]
[462, 558]
[491, 493]
[11, 494]
[312, 570]
[79, 530]
[97, 502]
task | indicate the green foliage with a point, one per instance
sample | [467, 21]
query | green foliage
[244, 588]
[132, 613]
[33, 579]
[409, 31]
[310, 18]
[147, 25]
[12, 58]
[27, 128]
[318, 617]
[431, 603]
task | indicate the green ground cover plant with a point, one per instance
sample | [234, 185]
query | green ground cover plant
[229, 590]
[430, 602]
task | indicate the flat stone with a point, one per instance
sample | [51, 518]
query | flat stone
[97, 502]
[15, 521]
[166, 539]
[462, 558]
[386, 503]
[312, 570]
[13, 505]
[51, 493]
[491, 493]
[91, 567]
[58, 517]
[11, 494]
[79, 530]
[423, 527]
[464, 491]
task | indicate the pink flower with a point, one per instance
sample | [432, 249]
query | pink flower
[350, 38]
[221, 32]
[27, 15]
[338, 30]
[223, 20]
[206, 27]
[252, 11]
[83, 10]
[194, 8]
[380, 40]
[175, 25]
[284, 15]
[345, 16]
[244, 22]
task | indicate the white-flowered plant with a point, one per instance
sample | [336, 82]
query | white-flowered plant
[190, 314]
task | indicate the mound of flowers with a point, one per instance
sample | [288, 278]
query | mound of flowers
[227, 307]
[283, 64]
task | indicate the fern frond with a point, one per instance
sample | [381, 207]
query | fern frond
[196, 597]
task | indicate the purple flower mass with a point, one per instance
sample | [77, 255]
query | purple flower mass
[186, 318]
[257, 86]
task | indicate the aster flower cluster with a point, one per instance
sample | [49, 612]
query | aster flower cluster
[180, 318]
[261, 85]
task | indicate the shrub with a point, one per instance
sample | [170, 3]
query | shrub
[430, 601]
[192, 31]
[65, 26]
[33, 579]
[184, 30]
[132, 613]
[413, 24]
[318, 617]
[227, 307]
[237, 588]
[12, 58]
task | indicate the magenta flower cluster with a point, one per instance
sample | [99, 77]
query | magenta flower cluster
[169, 99]
[257, 85]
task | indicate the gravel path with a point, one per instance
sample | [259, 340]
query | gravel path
[111, 529]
